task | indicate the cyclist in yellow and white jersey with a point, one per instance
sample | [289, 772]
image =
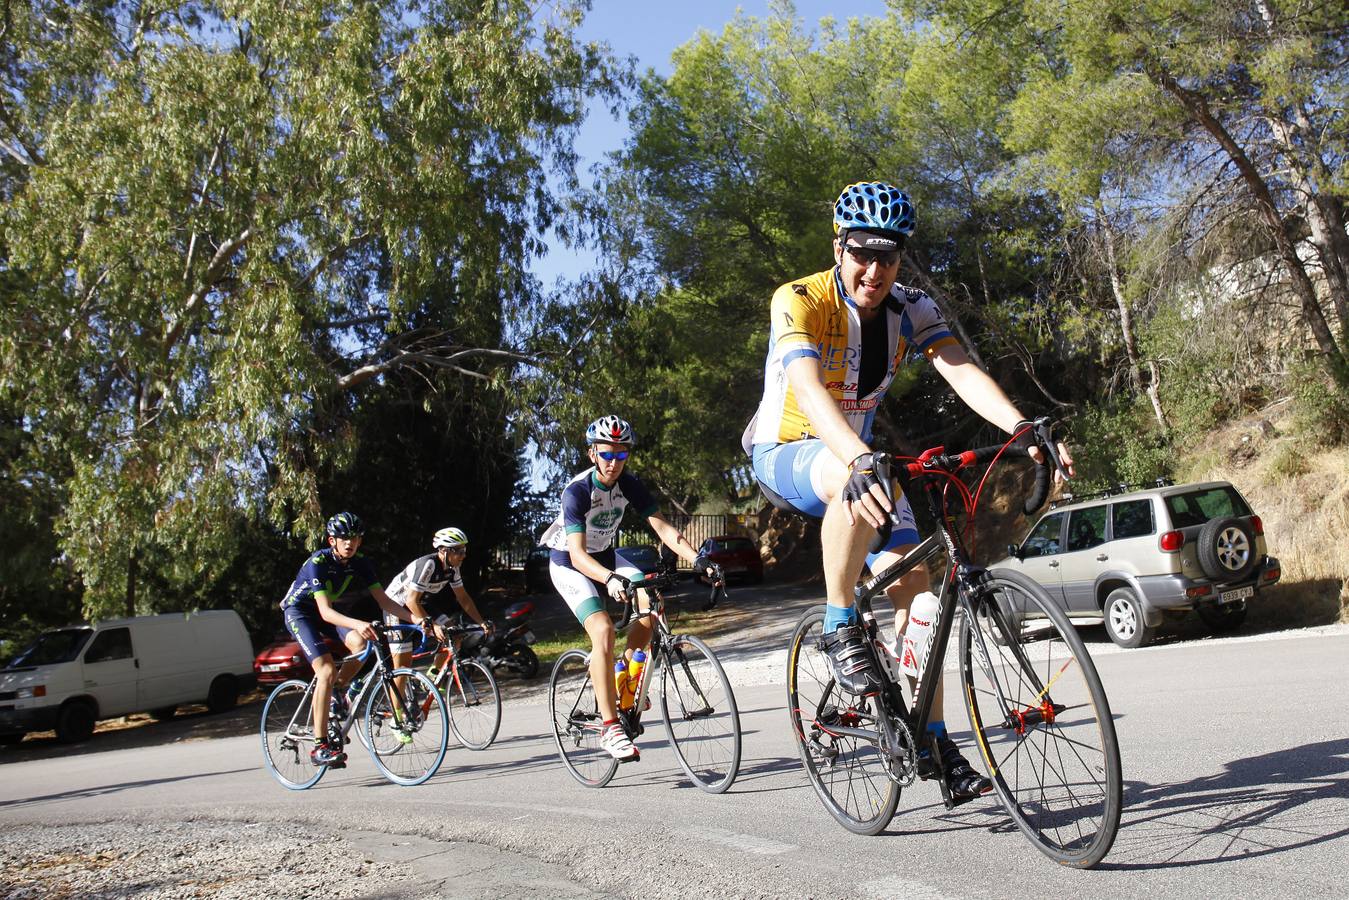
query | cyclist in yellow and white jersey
[838, 337]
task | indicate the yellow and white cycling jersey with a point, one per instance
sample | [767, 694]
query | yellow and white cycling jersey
[815, 317]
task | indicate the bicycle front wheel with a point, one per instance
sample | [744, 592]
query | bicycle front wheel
[577, 722]
[700, 714]
[847, 768]
[1042, 721]
[288, 736]
[474, 703]
[406, 729]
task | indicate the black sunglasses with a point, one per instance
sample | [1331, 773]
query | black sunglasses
[866, 256]
[608, 456]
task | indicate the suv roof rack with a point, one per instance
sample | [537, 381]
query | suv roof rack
[1120, 488]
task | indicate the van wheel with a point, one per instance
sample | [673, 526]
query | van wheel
[75, 722]
[224, 694]
[164, 713]
[1124, 619]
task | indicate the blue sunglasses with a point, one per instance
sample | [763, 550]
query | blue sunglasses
[609, 456]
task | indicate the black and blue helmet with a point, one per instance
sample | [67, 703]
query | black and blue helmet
[874, 206]
[346, 525]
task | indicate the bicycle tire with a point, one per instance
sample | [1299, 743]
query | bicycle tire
[408, 738]
[287, 734]
[847, 773]
[577, 722]
[473, 700]
[1054, 759]
[701, 719]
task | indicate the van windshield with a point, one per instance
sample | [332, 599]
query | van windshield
[53, 647]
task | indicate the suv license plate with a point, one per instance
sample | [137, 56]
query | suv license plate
[1238, 594]
[529, 635]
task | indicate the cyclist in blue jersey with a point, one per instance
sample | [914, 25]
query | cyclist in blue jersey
[328, 587]
[585, 565]
[838, 338]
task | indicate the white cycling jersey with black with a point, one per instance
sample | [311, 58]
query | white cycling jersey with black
[427, 575]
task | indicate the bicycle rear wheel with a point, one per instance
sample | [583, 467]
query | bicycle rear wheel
[700, 714]
[1051, 748]
[474, 703]
[288, 735]
[577, 722]
[847, 771]
[408, 731]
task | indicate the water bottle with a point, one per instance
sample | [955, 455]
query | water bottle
[354, 689]
[918, 633]
[635, 674]
[621, 684]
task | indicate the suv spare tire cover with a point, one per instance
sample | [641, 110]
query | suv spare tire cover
[1227, 549]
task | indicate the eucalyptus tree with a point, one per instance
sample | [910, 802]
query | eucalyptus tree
[233, 217]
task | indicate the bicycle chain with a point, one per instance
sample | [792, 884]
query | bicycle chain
[901, 762]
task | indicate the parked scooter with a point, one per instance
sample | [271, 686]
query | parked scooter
[508, 645]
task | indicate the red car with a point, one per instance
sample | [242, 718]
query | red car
[737, 556]
[282, 660]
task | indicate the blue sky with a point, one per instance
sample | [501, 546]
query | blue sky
[651, 32]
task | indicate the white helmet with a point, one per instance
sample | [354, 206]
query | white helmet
[449, 537]
[610, 430]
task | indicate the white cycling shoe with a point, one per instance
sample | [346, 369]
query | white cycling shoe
[616, 743]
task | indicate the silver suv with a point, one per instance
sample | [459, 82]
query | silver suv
[1138, 558]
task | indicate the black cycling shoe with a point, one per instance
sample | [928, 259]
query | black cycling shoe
[849, 663]
[962, 779]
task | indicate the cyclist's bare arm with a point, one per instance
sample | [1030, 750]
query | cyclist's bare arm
[983, 395]
[386, 604]
[333, 617]
[673, 538]
[467, 605]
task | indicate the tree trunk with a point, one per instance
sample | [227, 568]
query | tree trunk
[132, 571]
[1126, 324]
[1315, 320]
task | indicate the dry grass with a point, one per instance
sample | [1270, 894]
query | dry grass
[1305, 510]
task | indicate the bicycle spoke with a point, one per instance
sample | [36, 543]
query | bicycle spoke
[407, 735]
[287, 736]
[474, 703]
[577, 722]
[701, 718]
[847, 772]
[1043, 724]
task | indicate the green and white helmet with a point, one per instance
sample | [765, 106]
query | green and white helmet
[449, 537]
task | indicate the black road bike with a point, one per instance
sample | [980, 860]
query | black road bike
[1036, 706]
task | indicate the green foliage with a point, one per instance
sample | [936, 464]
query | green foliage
[1115, 445]
[1321, 408]
[228, 218]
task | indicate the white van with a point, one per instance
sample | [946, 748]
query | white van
[71, 677]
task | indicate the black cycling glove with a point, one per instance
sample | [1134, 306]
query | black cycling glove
[862, 474]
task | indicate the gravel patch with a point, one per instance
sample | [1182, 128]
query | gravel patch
[189, 859]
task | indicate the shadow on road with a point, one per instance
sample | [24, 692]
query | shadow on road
[192, 723]
[102, 789]
[1256, 806]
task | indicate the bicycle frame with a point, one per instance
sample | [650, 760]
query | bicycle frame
[964, 576]
[379, 648]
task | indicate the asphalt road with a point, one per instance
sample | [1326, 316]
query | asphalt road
[1235, 757]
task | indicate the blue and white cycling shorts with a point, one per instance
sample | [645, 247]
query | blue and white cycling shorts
[310, 629]
[583, 595]
[795, 472]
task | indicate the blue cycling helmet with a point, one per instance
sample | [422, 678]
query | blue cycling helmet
[873, 206]
[346, 525]
[610, 430]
